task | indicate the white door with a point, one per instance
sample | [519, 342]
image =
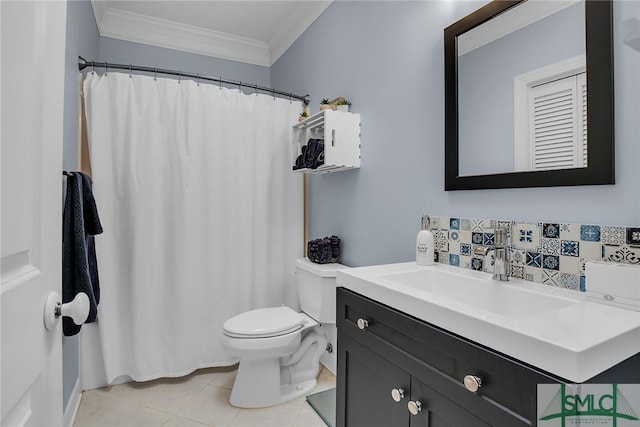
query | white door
[32, 74]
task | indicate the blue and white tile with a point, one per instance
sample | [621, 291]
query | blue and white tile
[476, 225]
[613, 235]
[488, 239]
[476, 264]
[466, 224]
[569, 281]
[454, 235]
[550, 277]
[550, 246]
[454, 260]
[442, 245]
[526, 236]
[622, 253]
[633, 235]
[590, 233]
[583, 283]
[533, 259]
[476, 238]
[440, 235]
[551, 262]
[465, 249]
[454, 223]
[569, 231]
[518, 257]
[551, 231]
[570, 248]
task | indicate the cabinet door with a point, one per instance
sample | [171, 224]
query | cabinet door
[439, 411]
[365, 382]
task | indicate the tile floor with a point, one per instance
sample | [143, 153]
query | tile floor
[200, 399]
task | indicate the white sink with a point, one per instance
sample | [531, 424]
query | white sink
[552, 328]
[483, 294]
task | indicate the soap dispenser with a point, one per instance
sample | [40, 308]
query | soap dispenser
[425, 243]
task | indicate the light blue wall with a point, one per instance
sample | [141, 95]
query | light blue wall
[82, 39]
[486, 135]
[387, 57]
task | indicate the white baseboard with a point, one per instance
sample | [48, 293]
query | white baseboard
[73, 404]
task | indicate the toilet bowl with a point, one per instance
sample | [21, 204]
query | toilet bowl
[279, 348]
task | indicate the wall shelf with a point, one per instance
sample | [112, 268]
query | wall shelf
[341, 133]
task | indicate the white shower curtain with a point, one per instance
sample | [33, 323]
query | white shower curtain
[202, 217]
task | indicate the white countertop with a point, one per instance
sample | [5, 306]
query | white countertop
[551, 328]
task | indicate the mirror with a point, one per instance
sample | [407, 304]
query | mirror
[517, 110]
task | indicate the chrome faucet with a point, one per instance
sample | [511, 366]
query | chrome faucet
[501, 264]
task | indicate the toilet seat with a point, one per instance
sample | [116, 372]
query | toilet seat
[264, 323]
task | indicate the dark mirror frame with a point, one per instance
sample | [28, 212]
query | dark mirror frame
[600, 108]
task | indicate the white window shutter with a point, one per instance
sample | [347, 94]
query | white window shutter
[557, 124]
[582, 114]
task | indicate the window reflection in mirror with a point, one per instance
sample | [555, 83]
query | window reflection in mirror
[522, 90]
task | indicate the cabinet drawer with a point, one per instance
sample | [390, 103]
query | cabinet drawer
[441, 360]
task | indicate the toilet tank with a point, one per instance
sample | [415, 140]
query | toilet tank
[317, 289]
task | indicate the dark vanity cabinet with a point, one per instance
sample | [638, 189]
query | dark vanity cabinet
[384, 355]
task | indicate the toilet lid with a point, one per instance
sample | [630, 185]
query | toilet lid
[264, 322]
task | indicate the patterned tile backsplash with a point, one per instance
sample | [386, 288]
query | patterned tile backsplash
[549, 253]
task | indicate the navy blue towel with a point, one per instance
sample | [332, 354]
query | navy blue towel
[80, 222]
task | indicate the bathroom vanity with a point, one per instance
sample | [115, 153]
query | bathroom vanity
[411, 352]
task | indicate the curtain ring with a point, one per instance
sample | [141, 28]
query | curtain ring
[179, 77]
[239, 84]
[198, 79]
[220, 82]
[155, 74]
[130, 66]
[273, 92]
[290, 98]
[256, 89]
[93, 67]
[106, 69]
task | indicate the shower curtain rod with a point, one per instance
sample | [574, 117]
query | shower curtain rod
[83, 63]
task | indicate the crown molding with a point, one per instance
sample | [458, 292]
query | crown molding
[283, 41]
[134, 27]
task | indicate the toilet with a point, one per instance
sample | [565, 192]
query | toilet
[280, 349]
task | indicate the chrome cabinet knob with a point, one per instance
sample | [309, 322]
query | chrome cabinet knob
[397, 394]
[363, 323]
[414, 407]
[472, 383]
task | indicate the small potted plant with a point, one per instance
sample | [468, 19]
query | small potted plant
[343, 105]
[303, 116]
[325, 105]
